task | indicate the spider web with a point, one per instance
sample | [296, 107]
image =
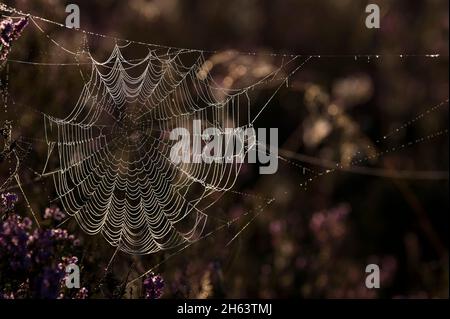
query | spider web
[115, 175]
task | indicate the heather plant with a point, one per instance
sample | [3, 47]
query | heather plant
[10, 31]
[153, 286]
[33, 260]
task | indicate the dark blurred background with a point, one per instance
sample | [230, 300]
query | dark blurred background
[313, 241]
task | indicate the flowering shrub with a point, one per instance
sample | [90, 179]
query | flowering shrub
[153, 286]
[33, 261]
[7, 201]
[10, 31]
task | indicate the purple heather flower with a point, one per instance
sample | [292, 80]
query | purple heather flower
[10, 31]
[8, 200]
[67, 261]
[19, 26]
[54, 213]
[82, 293]
[153, 286]
[30, 257]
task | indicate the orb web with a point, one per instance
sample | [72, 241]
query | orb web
[115, 176]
